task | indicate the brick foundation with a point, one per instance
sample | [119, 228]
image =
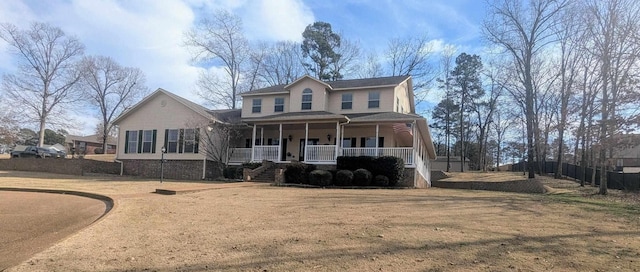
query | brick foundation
[173, 169]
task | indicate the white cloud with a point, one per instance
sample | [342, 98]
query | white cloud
[277, 20]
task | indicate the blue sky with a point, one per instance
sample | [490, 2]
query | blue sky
[148, 33]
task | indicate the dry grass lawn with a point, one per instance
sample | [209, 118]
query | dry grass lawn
[265, 228]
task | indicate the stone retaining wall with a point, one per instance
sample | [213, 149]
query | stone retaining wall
[76, 167]
[519, 186]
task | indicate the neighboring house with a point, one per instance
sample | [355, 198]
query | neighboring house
[440, 164]
[164, 119]
[87, 144]
[316, 121]
[628, 160]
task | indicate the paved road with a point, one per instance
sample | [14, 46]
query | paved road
[31, 222]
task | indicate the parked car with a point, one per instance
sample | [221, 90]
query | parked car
[57, 153]
[30, 151]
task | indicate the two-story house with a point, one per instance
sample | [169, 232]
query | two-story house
[316, 121]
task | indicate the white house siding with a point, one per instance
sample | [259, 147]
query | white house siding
[158, 115]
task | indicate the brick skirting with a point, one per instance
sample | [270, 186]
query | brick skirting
[173, 169]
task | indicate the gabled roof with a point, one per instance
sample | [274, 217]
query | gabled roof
[336, 85]
[191, 105]
[367, 82]
[87, 139]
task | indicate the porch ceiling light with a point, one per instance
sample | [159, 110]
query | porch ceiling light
[290, 138]
[329, 137]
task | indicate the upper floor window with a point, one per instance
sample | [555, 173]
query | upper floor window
[278, 105]
[374, 100]
[347, 101]
[257, 106]
[307, 96]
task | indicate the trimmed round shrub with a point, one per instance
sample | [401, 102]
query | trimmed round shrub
[229, 172]
[98, 151]
[344, 178]
[320, 178]
[362, 177]
[239, 173]
[389, 166]
[381, 180]
[295, 173]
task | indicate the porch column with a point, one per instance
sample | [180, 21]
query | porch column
[414, 142]
[306, 139]
[253, 142]
[377, 144]
[262, 136]
[280, 144]
[337, 139]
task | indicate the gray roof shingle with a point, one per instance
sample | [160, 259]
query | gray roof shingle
[341, 84]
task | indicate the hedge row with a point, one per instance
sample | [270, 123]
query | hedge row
[352, 171]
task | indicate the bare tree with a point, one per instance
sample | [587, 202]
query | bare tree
[282, 64]
[411, 56]
[221, 136]
[346, 65]
[219, 42]
[112, 89]
[523, 31]
[613, 27]
[370, 67]
[47, 71]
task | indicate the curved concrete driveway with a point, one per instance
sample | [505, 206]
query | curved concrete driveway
[32, 221]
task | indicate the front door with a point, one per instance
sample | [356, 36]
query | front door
[302, 145]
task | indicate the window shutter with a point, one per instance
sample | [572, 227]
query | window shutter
[380, 141]
[353, 142]
[139, 141]
[166, 139]
[180, 140]
[126, 142]
[153, 144]
[363, 141]
[197, 140]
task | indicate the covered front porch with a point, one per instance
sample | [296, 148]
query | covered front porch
[323, 142]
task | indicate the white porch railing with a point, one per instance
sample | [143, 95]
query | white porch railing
[320, 153]
[239, 155]
[406, 153]
[265, 152]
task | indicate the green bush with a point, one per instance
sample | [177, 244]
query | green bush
[251, 165]
[362, 177]
[229, 172]
[381, 180]
[239, 173]
[98, 151]
[354, 163]
[320, 177]
[389, 166]
[294, 173]
[344, 178]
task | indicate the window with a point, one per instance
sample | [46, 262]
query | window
[140, 141]
[307, 96]
[257, 106]
[347, 101]
[371, 142]
[131, 142]
[278, 105]
[349, 142]
[190, 141]
[171, 140]
[374, 100]
[147, 141]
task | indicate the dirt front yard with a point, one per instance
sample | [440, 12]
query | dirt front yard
[266, 228]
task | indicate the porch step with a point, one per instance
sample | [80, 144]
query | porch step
[267, 176]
